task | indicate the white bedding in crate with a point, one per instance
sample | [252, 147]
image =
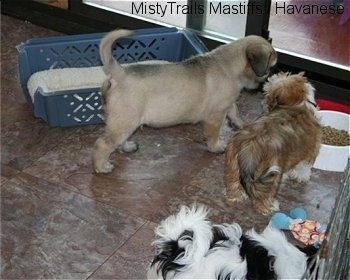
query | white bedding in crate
[54, 80]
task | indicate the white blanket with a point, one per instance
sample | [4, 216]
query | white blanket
[54, 80]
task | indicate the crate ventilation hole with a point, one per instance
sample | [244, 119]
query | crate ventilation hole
[87, 56]
[85, 107]
[142, 50]
[75, 57]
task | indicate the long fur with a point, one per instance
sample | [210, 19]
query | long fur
[284, 141]
[189, 246]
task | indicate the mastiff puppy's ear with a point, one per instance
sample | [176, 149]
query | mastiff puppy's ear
[261, 58]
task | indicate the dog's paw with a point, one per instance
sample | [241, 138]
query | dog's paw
[267, 207]
[129, 147]
[301, 173]
[237, 197]
[218, 147]
[275, 206]
[105, 168]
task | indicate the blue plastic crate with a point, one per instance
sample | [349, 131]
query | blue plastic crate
[78, 107]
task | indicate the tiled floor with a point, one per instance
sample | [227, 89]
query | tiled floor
[59, 220]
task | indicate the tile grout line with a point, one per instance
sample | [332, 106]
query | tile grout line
[117, 249]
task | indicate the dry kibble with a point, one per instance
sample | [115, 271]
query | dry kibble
[335, 137]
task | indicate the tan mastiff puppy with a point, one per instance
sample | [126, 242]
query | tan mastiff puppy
[203, 89]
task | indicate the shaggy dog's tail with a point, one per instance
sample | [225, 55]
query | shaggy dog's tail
[183, 242]
[111, 66]
[250, 154]
[258, 172]
[181, 239]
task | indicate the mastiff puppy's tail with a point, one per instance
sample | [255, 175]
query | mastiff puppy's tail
[110, 65]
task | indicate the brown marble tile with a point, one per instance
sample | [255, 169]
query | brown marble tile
[141, 181]
[13, 33]
[26, 140]
[207, 187]
[7, 172]
[123, 265]
[49, 232]
[317, 197]
[20, 131]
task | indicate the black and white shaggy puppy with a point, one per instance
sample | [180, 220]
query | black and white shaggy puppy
[189, 246]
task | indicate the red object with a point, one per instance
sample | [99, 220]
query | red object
[333, 106]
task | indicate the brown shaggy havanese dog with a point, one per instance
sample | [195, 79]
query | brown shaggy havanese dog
[284, 142]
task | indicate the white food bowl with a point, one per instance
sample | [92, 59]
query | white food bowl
[333, 158]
